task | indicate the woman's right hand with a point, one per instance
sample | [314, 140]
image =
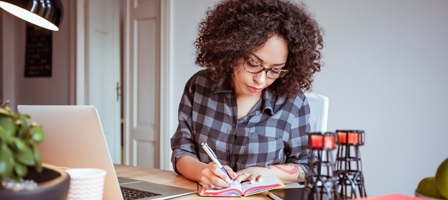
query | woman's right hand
[215, 178]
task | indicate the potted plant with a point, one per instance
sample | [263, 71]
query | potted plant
[22, 174]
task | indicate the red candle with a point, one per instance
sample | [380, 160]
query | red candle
[322, 141]
[316, 141]
[349, 137]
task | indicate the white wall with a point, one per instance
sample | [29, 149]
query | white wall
[8, 61]
[383, 59]
[185, 18]
[385, 72]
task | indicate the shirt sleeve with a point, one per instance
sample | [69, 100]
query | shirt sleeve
[298, 141]
[182, 142]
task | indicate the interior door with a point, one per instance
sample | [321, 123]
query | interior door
[142, 81]
[98, 65]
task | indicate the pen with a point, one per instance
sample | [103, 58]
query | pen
[214, 158]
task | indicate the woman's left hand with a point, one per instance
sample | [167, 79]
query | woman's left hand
[251, 174]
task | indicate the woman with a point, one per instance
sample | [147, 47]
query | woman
[248, 104]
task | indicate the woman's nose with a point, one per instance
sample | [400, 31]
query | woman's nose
[260, 77]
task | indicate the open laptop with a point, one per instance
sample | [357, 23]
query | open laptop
[74, 138]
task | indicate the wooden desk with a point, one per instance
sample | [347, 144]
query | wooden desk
[169, 178]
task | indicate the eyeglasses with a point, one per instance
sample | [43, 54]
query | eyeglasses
[253, 67]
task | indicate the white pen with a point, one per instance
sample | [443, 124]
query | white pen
[213, 157]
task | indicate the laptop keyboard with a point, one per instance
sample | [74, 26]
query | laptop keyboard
[130, 194]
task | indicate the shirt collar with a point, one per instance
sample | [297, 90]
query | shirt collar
[268, 99]
[224, 86]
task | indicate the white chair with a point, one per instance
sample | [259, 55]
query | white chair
[318, 111]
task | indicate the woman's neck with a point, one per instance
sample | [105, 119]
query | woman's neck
[245, 103]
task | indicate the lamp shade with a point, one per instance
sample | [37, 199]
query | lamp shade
[43, 13]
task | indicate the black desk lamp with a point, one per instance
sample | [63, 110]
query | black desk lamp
[43, 13]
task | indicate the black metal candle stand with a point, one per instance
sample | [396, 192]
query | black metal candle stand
[350, 179]
[320, 183]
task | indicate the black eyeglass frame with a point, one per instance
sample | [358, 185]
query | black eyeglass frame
[282, 72]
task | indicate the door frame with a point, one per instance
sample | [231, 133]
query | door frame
[166, 84]
[77, 47]
[78, 42]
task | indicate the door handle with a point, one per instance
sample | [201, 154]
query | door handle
[118, 88]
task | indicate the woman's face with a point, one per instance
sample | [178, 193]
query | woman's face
[273, 54]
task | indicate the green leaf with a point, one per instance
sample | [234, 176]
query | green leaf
[37, 158]
[37, 134]
[5, 104]
[6, 161]
[24, 127]
[2, 134]
[15, 178]
[21, 145]
[25, 157]
[21, 170]
[4, 112]
[9, 125]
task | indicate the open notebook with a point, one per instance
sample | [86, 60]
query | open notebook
[245, 188]
[74, 138]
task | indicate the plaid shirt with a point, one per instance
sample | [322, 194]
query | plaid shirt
[273, 132]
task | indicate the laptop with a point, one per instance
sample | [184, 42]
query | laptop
[74, 138]
[291, 191]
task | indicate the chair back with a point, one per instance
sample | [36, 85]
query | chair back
[318, 111]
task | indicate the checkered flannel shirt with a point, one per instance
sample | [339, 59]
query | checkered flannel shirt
[273, 132]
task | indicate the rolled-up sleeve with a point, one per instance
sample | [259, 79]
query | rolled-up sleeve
[182, 143]
[298, 140]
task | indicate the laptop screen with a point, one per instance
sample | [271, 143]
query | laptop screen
[74, 139]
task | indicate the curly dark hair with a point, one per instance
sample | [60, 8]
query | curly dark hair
[235, 28]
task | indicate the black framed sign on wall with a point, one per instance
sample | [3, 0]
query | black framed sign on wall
[38, 53]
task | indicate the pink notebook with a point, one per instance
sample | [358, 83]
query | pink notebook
[245, 188]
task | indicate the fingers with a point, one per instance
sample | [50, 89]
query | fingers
[215, 183]
[230, 172]
[215, 178]
[223, 174]
[252, 178]
[210, 186]
[245, 176]
[241, 177]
